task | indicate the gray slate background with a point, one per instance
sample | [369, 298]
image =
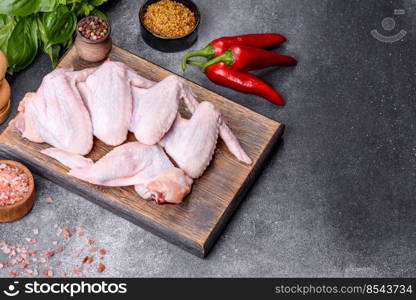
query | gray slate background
[337, 198]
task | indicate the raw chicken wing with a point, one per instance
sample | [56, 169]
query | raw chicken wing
[146, 167]
[107, 95]
[191, 143]
[56, 114]
[155, 109]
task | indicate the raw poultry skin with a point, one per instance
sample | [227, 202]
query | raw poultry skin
[146, 167]
[107, 95]
[69, 107]
[155, 109]
[56, 114]
[70, 160]
[226, 134]
[191, 143]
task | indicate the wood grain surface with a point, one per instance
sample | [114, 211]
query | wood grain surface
[196, 223]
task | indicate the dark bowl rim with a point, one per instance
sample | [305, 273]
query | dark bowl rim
[168, 38]
[92, 41]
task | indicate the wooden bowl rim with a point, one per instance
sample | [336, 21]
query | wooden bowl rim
[7, 86]
[5, 109]
[31, 182]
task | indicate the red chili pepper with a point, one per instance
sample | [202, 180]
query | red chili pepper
[244, 82]
[244, 59]
[218, 46]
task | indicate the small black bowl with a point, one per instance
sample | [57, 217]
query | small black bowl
[166, 44]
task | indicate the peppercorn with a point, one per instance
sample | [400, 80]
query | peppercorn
[93, 28]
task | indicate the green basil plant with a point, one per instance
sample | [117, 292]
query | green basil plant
[49, 25]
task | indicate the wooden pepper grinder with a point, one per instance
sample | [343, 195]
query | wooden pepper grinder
[5, 91]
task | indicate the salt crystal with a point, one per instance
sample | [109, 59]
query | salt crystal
[100, 268]
[65, 233]
[14, 185]
[77, 271]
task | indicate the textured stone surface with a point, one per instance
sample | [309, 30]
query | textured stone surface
[338, 196]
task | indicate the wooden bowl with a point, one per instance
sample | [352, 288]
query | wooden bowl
[4, 113]
[93, 50]
[19, 209]
[5, 93]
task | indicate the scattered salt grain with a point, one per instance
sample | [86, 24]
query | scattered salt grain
[100, 268]
[49, 253]
[77, 271]
[48, 272]
[65, 233]
[22, 258]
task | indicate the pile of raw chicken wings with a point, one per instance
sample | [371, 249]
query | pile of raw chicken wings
[71, 107]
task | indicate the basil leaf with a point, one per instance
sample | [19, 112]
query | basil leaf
[7, 24]
[86, 7]
[65, 2]
[23, 44]
[97, 2]
[56, 29]
[26, 7]
[98, 13]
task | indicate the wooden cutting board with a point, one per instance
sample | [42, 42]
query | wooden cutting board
[196, 223]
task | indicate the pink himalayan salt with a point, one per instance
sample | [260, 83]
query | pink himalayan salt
[14, 185]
